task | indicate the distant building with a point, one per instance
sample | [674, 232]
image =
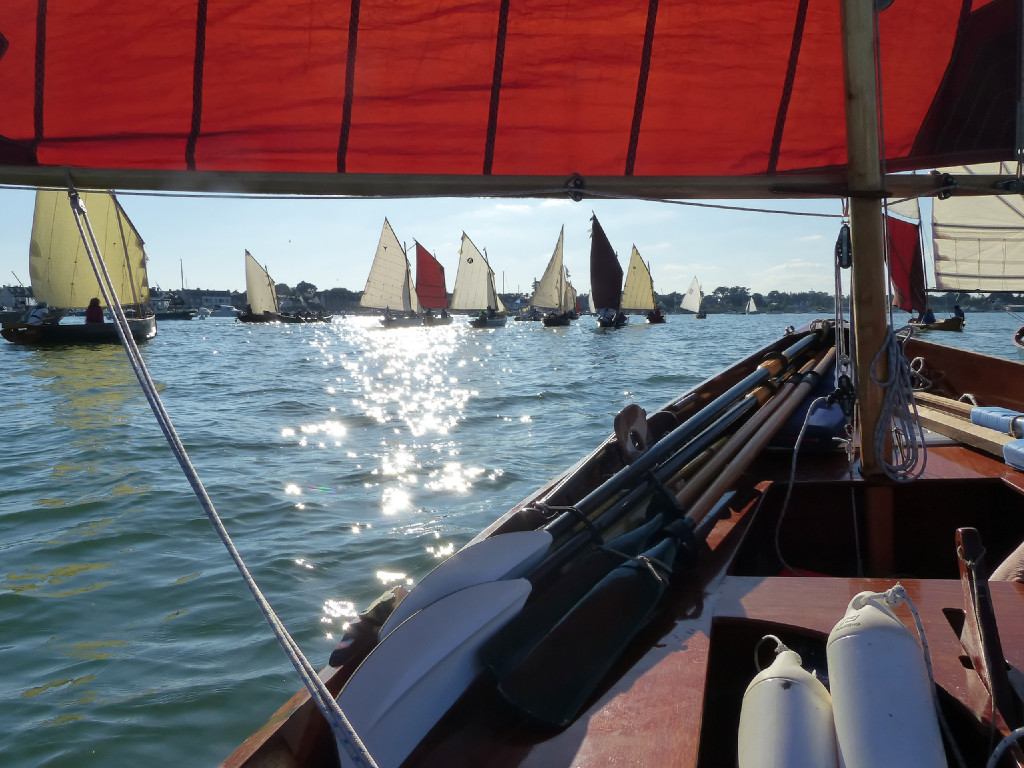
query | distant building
[197, 297]
[16, 297]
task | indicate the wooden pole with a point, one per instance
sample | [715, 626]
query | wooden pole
[867, 282]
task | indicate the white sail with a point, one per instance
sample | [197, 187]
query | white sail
[692, 298]
[751, 307]
[260, 291]
[59, 265]
[979, 241]
[474, 283]
[550, 293]
[389, 284]
[638, 290]
[570, 296]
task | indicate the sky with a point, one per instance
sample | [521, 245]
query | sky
[331, 242]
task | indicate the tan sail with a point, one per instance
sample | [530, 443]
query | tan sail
[260, 291]
[979, 241]
[474, 283]
[59, 265]
[389, 284]
[638, 291]
[551, 290]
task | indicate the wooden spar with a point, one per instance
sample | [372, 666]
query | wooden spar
[239, 183]
[867, 282]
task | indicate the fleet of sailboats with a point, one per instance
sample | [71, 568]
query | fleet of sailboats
[62, 275]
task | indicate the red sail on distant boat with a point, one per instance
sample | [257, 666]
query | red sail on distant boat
[430, 286]
[906, 265]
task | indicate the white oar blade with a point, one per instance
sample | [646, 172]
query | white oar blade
[414, 676]
[506, 556]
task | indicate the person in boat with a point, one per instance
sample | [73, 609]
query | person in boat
[428, 314]
[39, 314]
[94, 312]
[491, 312]
[927, 316]
[387, 313]
[957, 312]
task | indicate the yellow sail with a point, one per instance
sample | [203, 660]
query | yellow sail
[59, 265]
[638, 292]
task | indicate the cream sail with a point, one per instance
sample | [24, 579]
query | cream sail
[389, 284]
[638, 290]
[692, 298]
[979, 240]
[59, 266]
[553, 290]
[260, 291]
[474, 283]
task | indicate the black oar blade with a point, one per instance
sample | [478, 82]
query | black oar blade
[555, 679]
[517, 638]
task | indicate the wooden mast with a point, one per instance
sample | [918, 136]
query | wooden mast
[867, 282]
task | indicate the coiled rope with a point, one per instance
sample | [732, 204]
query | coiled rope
[325, 702]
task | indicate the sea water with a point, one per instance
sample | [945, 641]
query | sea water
[343, 458]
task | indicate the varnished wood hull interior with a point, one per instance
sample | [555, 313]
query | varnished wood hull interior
[672, 698]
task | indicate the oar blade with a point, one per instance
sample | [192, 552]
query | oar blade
[506, 556]
[516, 639]
[414, 675]
[555, 679]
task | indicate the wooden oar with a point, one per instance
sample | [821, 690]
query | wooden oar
[552, 681]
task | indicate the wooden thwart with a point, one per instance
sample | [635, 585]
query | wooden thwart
[960, 428]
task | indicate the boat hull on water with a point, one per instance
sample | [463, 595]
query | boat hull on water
[836, 533]
[498, 321]
[142, 329]
[946, 324]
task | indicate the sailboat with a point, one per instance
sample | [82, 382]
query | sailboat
[638, 290]
[605, 279]
[623, 610]
[554, 300]
[976, 246]
[751, 307]
[62, 275]
[389, 284]
[430, 288]
[260, 294]
[474, 288]
[692, 300]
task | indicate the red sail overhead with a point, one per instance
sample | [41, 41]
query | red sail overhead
[430, 280]
[906, 265]
[605, 270]
[535, 87]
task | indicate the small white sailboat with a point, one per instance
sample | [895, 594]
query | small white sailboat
[751, 308]
[474, 288]
[638, 290]
[260, 294]
[692, 300]
[389, 285]
[62, 275]
[554, 300]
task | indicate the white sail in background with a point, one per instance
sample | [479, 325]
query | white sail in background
[638, 290]
[751, 307]
[389, 284]
[570, 296]
[260, 291]
[692, 298]
[474, 283]
[59, 265]
[979, 241]
[551, 290]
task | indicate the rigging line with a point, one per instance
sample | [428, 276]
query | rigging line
[641, 86]
[332, 712]
[545, 192]
[350, 87]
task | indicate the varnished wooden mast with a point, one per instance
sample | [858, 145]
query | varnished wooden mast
[867, 284]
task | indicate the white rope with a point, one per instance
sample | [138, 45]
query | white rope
[898, 416]
[340, 725]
